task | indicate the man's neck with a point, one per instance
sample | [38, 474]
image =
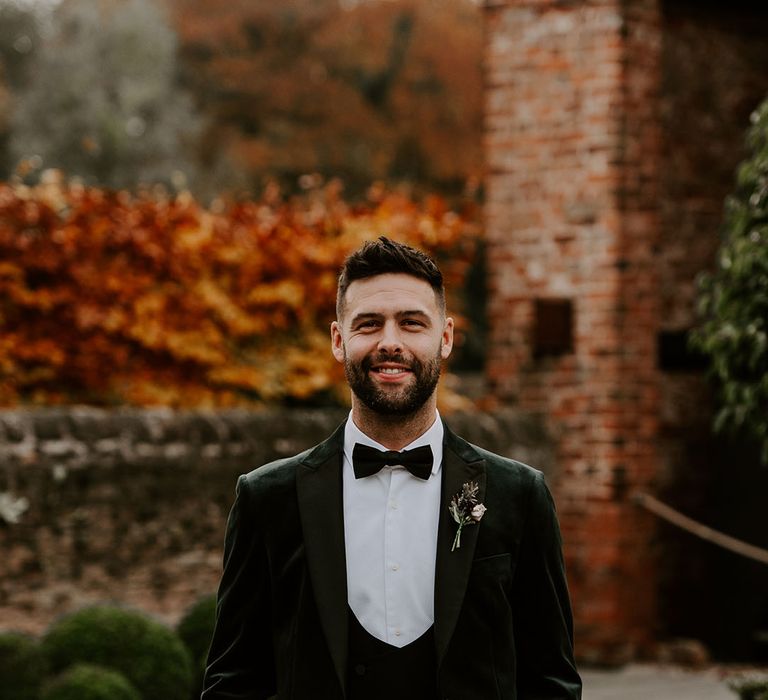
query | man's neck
[394, 432]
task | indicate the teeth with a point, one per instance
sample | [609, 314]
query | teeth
[390, 370]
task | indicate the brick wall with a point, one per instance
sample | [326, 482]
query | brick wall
[131, 505]
[612, 130]
[572, 138]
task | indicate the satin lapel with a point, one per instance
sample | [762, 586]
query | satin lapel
[319, 492]
[452, 567]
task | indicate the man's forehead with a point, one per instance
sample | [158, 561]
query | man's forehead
[391, 288]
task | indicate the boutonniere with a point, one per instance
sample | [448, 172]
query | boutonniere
[466, 510]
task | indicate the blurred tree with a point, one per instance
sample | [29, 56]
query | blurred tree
[104, 103]
[19, 39]
[366, 90]
[733, 300]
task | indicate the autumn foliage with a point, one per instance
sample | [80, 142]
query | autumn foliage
[108, 297]
[388, 89]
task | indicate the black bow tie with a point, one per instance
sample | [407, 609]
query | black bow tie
[368, 460]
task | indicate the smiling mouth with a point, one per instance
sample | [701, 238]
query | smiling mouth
[391, 370]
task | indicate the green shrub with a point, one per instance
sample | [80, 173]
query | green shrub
[750, 687]
[150, 655]
[88, 682]
[22, 666]
[196, 630]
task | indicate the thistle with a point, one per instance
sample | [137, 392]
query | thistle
[465, 509]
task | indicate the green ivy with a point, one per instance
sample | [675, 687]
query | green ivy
[733, 300]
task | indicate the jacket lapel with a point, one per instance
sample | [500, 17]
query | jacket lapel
[461, 464]
[319, 493]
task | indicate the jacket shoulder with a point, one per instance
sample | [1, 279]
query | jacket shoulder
[495, 462]
[282, 472]
[507, 464]
[274, 472]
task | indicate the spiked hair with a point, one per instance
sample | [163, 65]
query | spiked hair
[385, 256]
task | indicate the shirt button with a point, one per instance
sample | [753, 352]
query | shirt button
[397, 633]
[395, 567]
[360, 670]
[393, 505]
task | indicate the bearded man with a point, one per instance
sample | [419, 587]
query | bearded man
[394, 560]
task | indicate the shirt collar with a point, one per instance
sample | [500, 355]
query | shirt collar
[432, 437]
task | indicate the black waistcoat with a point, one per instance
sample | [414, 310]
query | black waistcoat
[379, 671]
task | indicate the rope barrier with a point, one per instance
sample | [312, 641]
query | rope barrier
[696, 528]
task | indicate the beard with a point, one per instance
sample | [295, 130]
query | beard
[395, 402]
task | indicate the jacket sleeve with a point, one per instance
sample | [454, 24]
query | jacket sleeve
[241, 662]
[546, 669]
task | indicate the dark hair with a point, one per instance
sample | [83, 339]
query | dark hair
[385, 256]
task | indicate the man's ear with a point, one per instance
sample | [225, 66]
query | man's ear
[337, 342]
[446, 342]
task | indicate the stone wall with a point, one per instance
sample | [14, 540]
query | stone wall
[130, 505]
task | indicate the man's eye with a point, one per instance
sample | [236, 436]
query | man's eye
[367, 324]
[413, 322]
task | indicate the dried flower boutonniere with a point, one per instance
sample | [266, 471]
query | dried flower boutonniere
[465, 509]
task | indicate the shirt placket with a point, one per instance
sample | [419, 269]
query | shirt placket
[393, 556]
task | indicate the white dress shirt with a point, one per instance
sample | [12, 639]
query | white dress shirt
[390, 535]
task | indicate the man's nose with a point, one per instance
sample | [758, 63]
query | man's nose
[390, 340]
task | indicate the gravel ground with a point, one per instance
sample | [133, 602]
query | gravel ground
[649, 682]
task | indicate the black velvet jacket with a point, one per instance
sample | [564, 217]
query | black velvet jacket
[503, 625]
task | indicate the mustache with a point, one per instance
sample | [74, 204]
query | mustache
[380, 357]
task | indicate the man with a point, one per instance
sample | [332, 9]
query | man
[394, 560]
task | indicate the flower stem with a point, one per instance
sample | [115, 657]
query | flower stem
[457, 539]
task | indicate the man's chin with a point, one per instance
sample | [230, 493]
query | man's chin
[392, 410]
[392, 403]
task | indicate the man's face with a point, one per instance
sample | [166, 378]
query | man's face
[392, 339]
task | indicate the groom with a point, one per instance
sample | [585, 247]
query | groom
[394, 561]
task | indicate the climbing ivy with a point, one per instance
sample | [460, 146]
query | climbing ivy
[733, 299]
